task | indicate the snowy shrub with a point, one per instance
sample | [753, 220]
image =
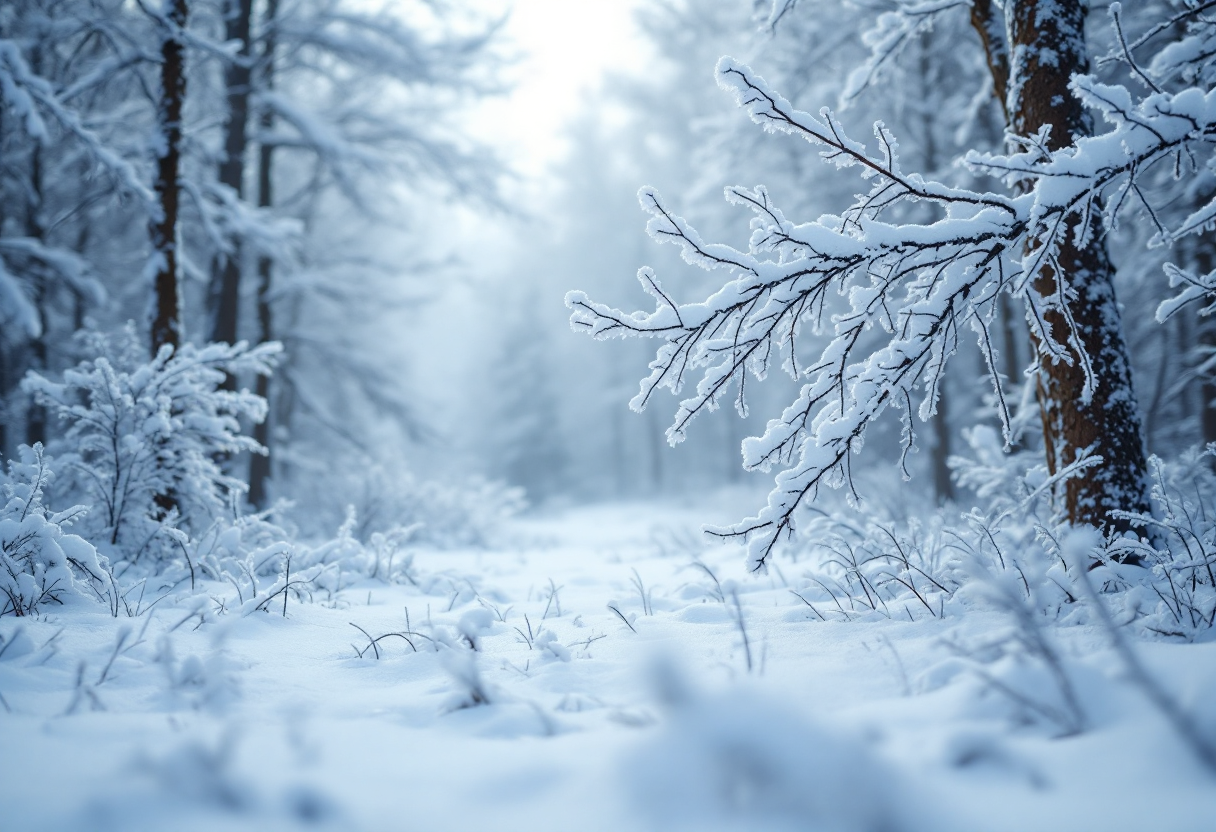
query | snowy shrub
[389, 498]
[245, 551]
[1000, 479]
[1173, 595]
[143, 437]
[1179, 550]
[886, 569]
[41, 562]
[251, 542]
[290, 584]
[1020, 573]
[344, 557]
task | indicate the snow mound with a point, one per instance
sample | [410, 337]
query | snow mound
[738, 760]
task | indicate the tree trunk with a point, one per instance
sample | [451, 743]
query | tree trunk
[1047, 49]
[5, 385]
[166, 320]
[940, 450]
[988, 23]
[1207, 387]
[226, 271]
[260, 465]
[1200, 255]
[35, 417]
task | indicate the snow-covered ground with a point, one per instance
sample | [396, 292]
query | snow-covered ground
[569, 716]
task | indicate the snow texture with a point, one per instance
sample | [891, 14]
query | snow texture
[285, 718]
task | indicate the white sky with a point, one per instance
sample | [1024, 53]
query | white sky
[566, 46]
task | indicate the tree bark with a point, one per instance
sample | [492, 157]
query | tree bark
[940, 450]
[166, 320]
[1199, 254]
[35, 417]
[5, 386]
[1207, 387]
[260, 465]
[226, 271]
[1047, 48]
[989, 24]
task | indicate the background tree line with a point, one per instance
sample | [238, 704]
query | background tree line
[939, 83]
[220, 170]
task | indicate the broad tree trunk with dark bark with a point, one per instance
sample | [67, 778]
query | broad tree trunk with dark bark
[166, 318]
[1046, 47]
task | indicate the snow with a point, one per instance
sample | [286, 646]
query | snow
[185, 718]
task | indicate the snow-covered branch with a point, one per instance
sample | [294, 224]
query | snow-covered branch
[920, 285]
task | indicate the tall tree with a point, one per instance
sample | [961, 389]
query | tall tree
[226, 270]
[1086, 397]
[167, 312]
[260, 465]
[70, 190]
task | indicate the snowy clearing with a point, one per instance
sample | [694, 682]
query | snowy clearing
[591, 720]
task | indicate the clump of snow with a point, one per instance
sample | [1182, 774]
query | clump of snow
[740, 760]
[41, 564]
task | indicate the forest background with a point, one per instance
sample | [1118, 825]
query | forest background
[294, 297]
[333, 191]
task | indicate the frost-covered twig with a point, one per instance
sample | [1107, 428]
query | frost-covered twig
[373, 642]
[922, 285]
[616, 611]
[636, 580]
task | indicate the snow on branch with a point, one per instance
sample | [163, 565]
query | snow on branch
[17, 311]
[918, 286]
[70, 266]
[893, 31]
[1194, 288]
[33, 99]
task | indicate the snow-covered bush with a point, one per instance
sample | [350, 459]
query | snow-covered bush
[263, 559]
[247, 542]
[1174, 594]
[42, 563]
[387, 498]
[903, 570]
[382, 557]
[998, 478]
[143, 437]
[1178, 598]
